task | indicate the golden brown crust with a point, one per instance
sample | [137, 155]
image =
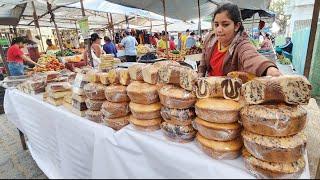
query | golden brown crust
[142, 93]
[117, 123]
[141, 111]
[116, 93]
[175, 97]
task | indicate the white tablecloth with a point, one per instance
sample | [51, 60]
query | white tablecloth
[67, 146]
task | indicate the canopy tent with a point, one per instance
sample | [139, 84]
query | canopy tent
[249, 13]
[183, 26]
[188, 9]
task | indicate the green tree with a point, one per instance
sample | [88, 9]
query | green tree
[277, 6]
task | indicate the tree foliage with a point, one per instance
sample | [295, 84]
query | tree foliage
[277, 6]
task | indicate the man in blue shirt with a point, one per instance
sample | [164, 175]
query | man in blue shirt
[109, 47]
[191, 41]
[129, 43]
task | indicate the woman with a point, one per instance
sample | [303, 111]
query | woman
[51, 46]
[172, 44]
[96, 50]
[266, 44]
[15, 57]
[228, 48]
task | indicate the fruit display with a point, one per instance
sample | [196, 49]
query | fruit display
[48, 64]
[194, 50]
[76, 58]
[66, 52]
[174, 55]
[44, 59]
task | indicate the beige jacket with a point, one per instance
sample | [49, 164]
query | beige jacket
[241, 56]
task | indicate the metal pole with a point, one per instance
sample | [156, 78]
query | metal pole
[112, 27]
[55, 26]
[82, 8]
[88, 39]
[165, 25]
[199, 24]
[36, 22]
[313, 31]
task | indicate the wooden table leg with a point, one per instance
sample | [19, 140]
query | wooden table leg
[318, 170]
[23, 140]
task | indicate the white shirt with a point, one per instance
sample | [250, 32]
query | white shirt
[129, 44]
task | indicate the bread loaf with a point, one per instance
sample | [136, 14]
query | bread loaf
[170, 74]
[94, 105]
[58, 87]
[218, 87]
[292, 89]
[124, 77]
[142, 111]
[275, 149]
[95, 116]
[150, 74]
[142, 93]
[181, 117]
[244, 76]
[218, 110]
[274, 120]
[114, 76]
[188, 79]
[55, 102]
[115, 110]
[145, 125]
[78, 112]
[220, 149]
[217, 132]
[135, 71]
[68, 99]
[178, 133]
[117, 123]
[104, 78]
[81, 106]
[116, 93]
[175, 97]
[94, 91]
[93, 76]
[270, 170]
[61, 94]
[79, 98]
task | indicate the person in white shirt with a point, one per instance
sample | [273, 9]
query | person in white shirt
[129, 43]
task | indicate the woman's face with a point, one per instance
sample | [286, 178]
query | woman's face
[225, 29]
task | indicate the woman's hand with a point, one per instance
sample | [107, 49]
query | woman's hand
[272, 71]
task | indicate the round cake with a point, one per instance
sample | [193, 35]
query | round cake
[95, 116]
[145, 125]
[271, 170]
[142, 93]
[94, 91]
[275, 149]
[175, 97]
[116, 93]
[117, 123]
[176, 133]
[142, 111]
[115, 110]
[218, 110]
[182, 117]
[274, 120]
[220, 149]
[217, 131]
[94, 105]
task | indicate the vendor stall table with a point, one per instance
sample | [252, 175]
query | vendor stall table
[67, 146]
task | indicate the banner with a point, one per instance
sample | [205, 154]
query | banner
[84, 27]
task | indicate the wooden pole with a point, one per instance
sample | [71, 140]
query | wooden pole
[312, 37]
[56, 27]
[88, 39]
[37, 24]
[82, 8]
[165, 26]
[199, 24]
[112, 28]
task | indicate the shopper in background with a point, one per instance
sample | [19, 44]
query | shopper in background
[266, 43]
[15, 57]
[191, 41]
[109, 47]
[161, 46]
[172, 44]
[179, 41]
[95, 49]
[228, 48]
[51, 46]
[129, 43]
[184, 39]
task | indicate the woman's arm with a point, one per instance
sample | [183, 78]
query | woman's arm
[26, 58]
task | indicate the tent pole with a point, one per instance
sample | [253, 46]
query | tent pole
[313, 31]
[82, 8]
[56, 27]
[165, 26]
[88, 39]
[112, 27]
[199, 24]
[37, 23]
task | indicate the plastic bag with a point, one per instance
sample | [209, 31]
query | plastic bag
[115, 110]
[175, 97]
[116, 93]
[176, 133]
[59, 87]
[61, 94]
[215, 131]
[141, 111]
[181, 117]
[94, 91]
[142, 93]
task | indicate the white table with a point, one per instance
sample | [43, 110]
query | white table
[67, 146]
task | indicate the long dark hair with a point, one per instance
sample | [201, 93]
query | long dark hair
[233, 13]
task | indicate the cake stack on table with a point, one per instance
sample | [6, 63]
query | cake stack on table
[57, 91]
[145, 106]
[217, 113]
[178, 99]
[78, 96]
[273, 122]
[116, 109]
[107, 61]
